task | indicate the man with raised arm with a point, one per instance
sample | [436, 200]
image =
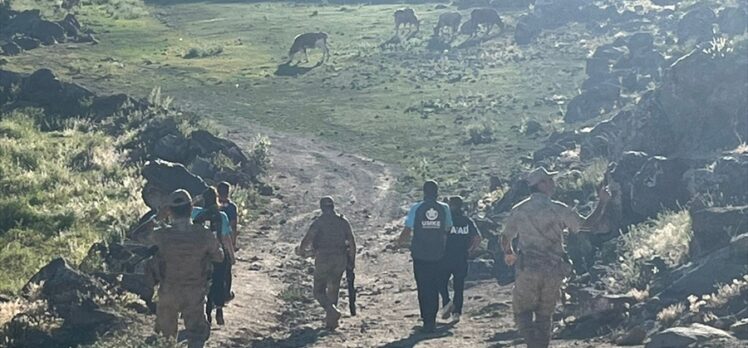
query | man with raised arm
[540, 224]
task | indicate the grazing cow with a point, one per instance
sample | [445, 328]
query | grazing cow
[448, 20]
[485, 17]
[406, 16]
[305, 41]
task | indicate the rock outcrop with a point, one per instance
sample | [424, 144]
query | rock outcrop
[28, 30]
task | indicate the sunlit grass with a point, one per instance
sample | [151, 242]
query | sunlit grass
[61, 192]
[666, 237]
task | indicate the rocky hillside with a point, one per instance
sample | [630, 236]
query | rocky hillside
[74, 162]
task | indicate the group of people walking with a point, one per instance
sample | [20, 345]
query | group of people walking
[195, 242]
[440, 237]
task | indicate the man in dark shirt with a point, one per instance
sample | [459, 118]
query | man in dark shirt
[228, 207]
[428, 222]
[461, 240]
[232, 212]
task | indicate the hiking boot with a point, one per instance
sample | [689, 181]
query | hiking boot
[446, 311]
[428, 327]
[219, 316]
[455, 317]
[333, 316]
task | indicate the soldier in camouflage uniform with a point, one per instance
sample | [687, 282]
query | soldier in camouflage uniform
[540, 223]
[186, 251]
[334, 248]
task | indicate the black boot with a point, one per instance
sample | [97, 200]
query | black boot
[219, 316]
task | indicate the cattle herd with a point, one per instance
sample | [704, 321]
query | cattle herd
[480, 19]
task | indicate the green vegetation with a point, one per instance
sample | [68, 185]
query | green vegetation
[62, 191]
[357, 100]
[666, 237]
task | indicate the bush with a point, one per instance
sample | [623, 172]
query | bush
[202, 52]
[260, 153]
[666, 237]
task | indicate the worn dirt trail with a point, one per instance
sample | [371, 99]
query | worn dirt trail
[274, 306]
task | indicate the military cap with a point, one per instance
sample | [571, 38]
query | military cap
[537, 175]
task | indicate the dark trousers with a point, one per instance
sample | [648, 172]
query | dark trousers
[458, 270]
[220, 282]
[429, 277]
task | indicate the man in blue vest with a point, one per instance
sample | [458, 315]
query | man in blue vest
[428, 223]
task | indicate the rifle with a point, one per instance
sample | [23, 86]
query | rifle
[350, 277]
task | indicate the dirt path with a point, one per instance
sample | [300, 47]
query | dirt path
[274, 306]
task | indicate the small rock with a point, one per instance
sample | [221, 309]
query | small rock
[740, 329]
[696, 334]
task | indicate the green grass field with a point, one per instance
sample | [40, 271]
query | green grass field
[405, 105]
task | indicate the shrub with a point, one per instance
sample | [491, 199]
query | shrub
[202, 52]
[260, 153]
[666, 237]
[669, 315]
[482, 133]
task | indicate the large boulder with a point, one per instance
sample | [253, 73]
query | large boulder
[26, 42]
[699, 277]
[702, 117]
[49, 33]
[733, 21]
[659, 185]
[172, 148]
[11, 49]
[697, 24]
[597, 99]
[714, 227]
[43, 89]
[71, 25]
[695, 334]
[72, 296]
[168, 177]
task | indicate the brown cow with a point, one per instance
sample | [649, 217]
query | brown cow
[448, 20]
[485, 17]
[406, 16]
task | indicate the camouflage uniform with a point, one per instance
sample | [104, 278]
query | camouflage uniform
[185, 251]
[540, 224]
[331, 239]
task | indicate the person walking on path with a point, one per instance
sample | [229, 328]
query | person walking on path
[230, 208]
[540, 222]
[463, 238]
[426, 228]
[186, 251]
[219, 224]
[334, 249]
[232, 212]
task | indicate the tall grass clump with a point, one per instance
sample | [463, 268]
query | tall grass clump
[60, 192]
[666, 237]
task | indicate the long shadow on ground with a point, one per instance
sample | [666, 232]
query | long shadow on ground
[416, 337]
[298, 338]
[506, 337]
[294, 70]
